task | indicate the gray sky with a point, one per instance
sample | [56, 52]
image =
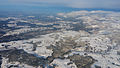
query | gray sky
[109, 4]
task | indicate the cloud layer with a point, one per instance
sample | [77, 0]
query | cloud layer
[109, 4]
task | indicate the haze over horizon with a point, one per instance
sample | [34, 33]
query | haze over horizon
[57, 5]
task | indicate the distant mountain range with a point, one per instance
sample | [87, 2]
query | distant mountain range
[46, 9]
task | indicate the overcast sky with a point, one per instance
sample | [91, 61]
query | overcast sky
[109, 4]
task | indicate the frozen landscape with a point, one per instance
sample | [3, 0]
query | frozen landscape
[78, 39]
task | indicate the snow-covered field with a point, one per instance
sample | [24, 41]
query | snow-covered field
[101, 43]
